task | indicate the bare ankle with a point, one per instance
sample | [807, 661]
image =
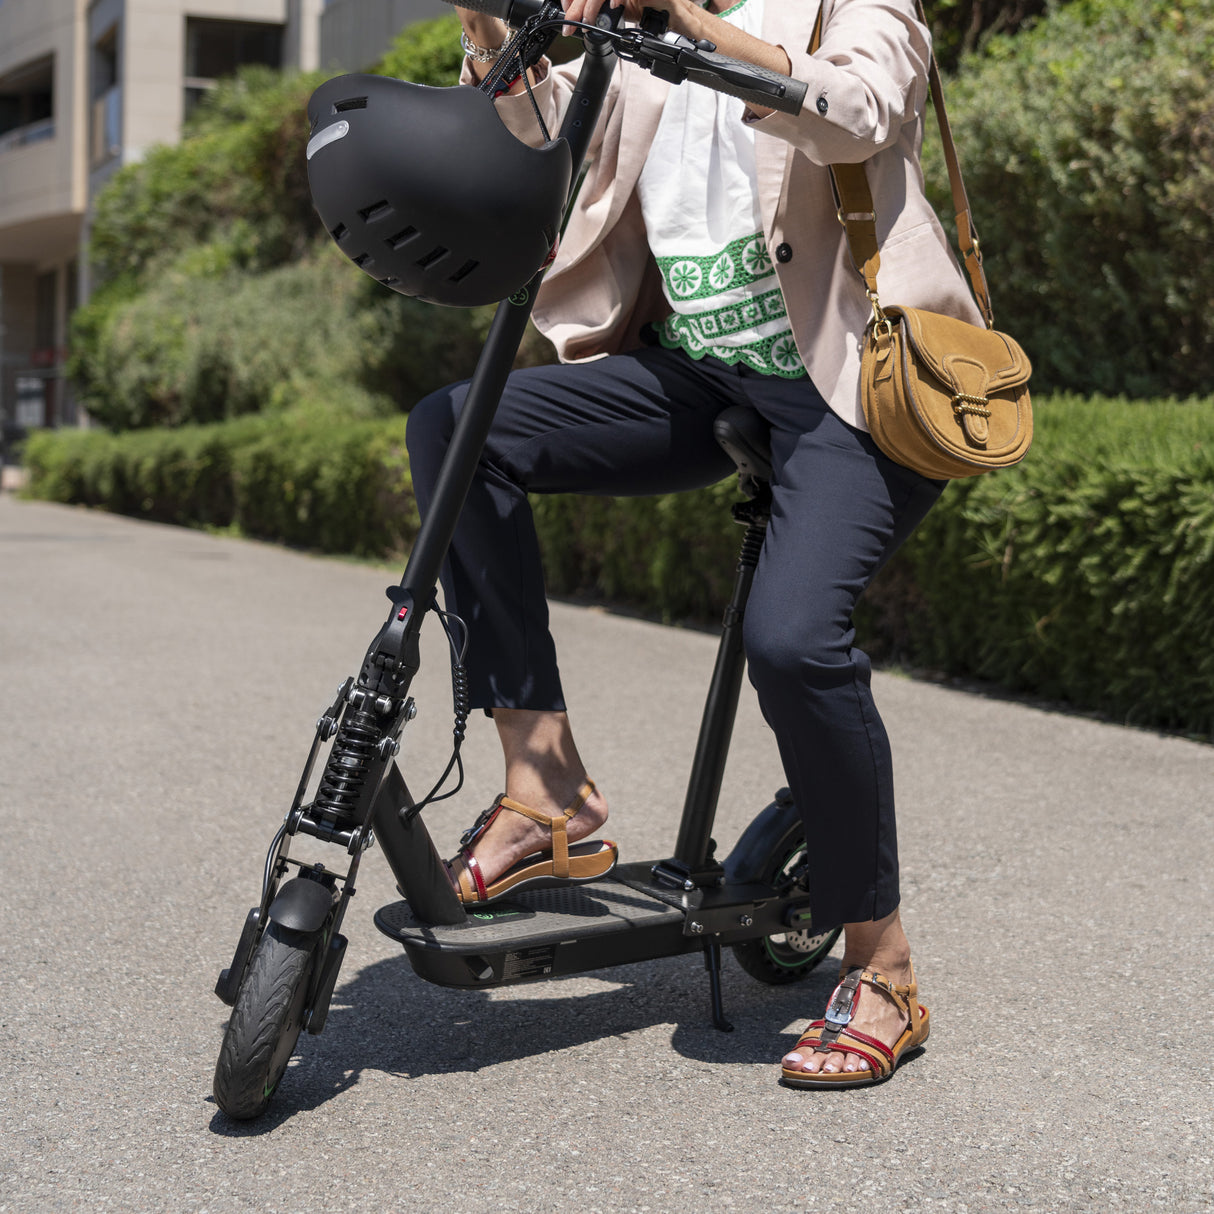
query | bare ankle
[879, 944]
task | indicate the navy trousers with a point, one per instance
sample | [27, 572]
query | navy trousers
[641, 423]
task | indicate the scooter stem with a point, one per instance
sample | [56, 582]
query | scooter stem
[494, 365]
[409, 851]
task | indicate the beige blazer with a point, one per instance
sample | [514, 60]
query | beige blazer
[867, 93]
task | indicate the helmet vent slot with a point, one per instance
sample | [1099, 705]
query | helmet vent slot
[361, 260]
[390, 281]
[401, 237]
[339, 232]
[464, 271]
[350, 103]
[435, 254]
[376, 211]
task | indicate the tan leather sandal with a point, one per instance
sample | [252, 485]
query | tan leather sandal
[832, 1034]
[561, 864]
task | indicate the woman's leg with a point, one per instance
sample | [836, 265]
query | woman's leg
[840, 509]
[632, 424]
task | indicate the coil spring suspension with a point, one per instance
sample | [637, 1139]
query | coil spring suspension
[346, 771]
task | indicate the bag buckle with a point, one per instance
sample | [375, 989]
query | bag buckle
[963, 402]
[880, 320]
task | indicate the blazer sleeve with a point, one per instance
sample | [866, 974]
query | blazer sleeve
[552, 89]
[866, 81]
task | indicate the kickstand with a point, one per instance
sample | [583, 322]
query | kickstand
[712, 963]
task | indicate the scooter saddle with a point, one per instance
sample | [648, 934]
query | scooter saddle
[745, 436]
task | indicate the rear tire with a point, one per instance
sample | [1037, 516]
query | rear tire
[266, 1021]
[789, 956]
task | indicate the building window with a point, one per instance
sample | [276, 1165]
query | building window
[214, 49]
[27, 104]
[105, 124]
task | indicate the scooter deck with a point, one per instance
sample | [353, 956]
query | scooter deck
[546, 933]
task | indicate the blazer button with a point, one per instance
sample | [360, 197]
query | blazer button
[822, 104]
[784, 253]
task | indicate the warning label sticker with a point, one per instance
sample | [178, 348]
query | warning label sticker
[528, 963]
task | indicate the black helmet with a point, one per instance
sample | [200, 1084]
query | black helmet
[428, 192]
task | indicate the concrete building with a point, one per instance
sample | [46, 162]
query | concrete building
[85, 87]
[355, 33]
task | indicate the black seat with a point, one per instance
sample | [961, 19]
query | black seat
[746, 438]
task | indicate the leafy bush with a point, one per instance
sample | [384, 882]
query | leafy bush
[1088, 147]
[1085, 574]
[962, 27]
[239, 175]
[427, 52]
[200, 347]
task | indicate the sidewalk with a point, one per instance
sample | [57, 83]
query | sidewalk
[161, 688]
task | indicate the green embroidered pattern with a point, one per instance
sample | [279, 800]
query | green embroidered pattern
[740, 263]
[697, 334]
[722, 331]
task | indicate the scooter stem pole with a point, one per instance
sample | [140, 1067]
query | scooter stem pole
[720, 711]
[489, 380]
[716, 729]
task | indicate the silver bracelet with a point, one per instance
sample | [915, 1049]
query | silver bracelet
[480, 54]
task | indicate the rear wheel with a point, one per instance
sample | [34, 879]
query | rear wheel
[266, 1021]
[787, 956]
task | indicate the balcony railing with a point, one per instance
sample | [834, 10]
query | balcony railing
[35, 132]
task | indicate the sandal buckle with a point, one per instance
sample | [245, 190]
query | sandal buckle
[842, 1004]
[474, 831]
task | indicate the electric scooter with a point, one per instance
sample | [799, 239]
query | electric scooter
[289, 954]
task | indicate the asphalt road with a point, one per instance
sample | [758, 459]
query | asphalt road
[160, 688]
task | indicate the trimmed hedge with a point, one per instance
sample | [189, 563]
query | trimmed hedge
[323, 485]
[1086, 574]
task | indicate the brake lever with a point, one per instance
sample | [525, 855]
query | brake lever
[659, 52]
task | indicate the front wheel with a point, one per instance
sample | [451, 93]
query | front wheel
[770, 851]
[266, 1021]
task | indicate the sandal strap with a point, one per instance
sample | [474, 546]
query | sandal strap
[469, 879]
[880, 1060]
[905, 995]
[842, 1005]
[556, 825]
[849, 1041]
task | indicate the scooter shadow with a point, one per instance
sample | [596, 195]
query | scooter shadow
[387, 1019]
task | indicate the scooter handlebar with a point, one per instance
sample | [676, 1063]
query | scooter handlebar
[673, 57]
[757, 86]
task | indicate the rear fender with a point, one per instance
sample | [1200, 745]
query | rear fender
[751, 857]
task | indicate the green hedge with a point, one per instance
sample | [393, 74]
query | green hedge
[317, 484]
[1086, 574]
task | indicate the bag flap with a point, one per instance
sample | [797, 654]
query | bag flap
[966, 358]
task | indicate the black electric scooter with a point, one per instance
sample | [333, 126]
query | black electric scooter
[285, 967]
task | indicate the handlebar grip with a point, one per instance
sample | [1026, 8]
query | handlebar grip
[512, 12]
[755, 85]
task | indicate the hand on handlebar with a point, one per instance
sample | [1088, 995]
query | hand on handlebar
[588, 10]
[699, 24]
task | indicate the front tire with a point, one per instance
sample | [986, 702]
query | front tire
[788, 956]
[266, 1021]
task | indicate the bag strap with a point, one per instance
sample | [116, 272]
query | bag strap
[855, 200]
